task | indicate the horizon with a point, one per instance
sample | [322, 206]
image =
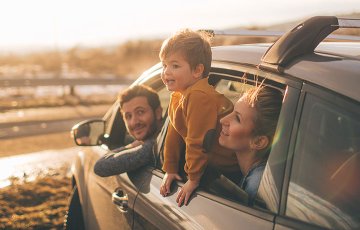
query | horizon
[49, 25]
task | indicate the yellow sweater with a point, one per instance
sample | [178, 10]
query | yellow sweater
[192, 114]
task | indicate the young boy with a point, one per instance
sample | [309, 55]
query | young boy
[195, 109]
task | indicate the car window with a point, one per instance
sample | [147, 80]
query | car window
[232, 89]
[222, 185]
[164, 96]
[227, 185]
[324, 185]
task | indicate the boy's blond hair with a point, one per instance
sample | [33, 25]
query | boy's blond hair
[194, 45]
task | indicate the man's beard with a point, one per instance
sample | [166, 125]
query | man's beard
[152, 130]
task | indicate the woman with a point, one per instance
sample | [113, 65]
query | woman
[249, 131]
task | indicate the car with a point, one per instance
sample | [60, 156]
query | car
[311, 176]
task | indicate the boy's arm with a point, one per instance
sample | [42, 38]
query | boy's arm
[172, 147]
[201, 116]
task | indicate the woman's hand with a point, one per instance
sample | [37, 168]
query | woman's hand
[166, 183]
[186, 191]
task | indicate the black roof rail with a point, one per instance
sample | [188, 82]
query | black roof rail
[303, 39]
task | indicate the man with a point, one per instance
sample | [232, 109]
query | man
[142, 113]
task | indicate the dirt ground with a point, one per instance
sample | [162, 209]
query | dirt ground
[39, 203]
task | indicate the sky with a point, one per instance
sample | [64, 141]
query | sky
[29, 24]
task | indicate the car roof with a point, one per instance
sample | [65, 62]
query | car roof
[302, 53]
[333, 65]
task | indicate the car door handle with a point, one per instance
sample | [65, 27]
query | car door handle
[120, 200]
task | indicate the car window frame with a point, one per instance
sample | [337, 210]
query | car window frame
[231, 71]
[235, 205]
[280, 149]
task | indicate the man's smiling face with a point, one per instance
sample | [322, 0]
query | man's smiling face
[139, 118]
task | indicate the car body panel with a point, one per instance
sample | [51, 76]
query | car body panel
[201, 213]
[244, 54]
[313, 68]
[100, 212]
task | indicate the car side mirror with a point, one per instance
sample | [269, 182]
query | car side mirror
[89, 133]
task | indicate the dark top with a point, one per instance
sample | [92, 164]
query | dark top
[125, 160]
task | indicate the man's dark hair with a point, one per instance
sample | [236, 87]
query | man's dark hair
[140, 90]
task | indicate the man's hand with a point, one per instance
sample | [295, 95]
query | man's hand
[186, 191]
[166, 183]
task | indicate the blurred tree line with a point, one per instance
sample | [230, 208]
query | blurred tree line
[128, 59]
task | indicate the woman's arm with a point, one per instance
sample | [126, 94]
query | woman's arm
[126, 160]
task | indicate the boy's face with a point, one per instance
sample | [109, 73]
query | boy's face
[177, 74]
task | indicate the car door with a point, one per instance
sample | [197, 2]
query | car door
[208, 209]
[205, 210]
[109, 199]
[322, 187]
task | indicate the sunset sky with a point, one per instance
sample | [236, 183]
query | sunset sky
[67, 23]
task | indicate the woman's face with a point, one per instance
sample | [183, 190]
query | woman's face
[237, 127]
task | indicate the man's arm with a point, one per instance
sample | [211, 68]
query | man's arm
[126, 160]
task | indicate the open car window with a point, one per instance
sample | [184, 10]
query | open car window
[226, 185]
[222, 185]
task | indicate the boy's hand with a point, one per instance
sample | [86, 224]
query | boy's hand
[186, 191]
[166, 183]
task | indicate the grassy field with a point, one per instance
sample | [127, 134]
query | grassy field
[39, 203]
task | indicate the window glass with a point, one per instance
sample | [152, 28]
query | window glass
[324, 185]
[232, 89]
[271, 183]
[164, 96]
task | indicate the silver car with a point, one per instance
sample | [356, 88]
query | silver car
[311, 177]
